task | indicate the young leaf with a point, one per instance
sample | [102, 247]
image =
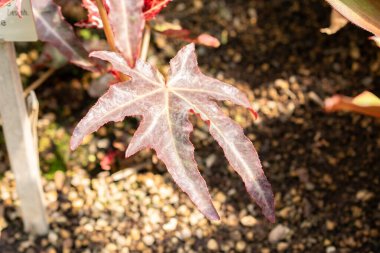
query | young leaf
[150, 10]
[337, 22]
[52, 28]
[363, 13]
[366, 103]
[166, 128]
[127, 22]
[153, 7]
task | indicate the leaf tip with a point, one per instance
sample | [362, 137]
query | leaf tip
[271, 218]
[210, 213]
[75, 141]
[333, 103]
[94, 54]
[73, 144]
[268, 211]
[190, 46]
[261, 191]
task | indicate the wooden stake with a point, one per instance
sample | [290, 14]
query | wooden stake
[20, 144]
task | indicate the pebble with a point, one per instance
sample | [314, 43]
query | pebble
[282, 246]
[135, 234]
[171, 225]
[185, 233]
[148, 240]
[111, 247]
[330, 225]
[330, 249]
[212, 244]
[284, 213]
[53, 237]
[51, 250]
[278, 233]
[240, 246]
[248, 221]
[175, 224]
[59, 179]
[364, 195]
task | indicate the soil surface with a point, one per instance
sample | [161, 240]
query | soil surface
[324, 168]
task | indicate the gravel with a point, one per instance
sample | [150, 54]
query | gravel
[324, 169]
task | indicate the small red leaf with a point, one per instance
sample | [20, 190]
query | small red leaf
[153, 7]
[108, 160]
[207, 40]
[185, 35]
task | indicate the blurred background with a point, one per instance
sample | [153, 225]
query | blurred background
[324, 168]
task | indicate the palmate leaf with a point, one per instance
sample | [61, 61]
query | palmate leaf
[166, 128]
[363, 13]
[53, 29]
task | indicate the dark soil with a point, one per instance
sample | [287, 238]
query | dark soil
[324, 168]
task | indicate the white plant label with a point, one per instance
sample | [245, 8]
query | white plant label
[14, 28]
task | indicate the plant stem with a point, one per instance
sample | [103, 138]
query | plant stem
[108, 32]
[145, 43]
[106, 25]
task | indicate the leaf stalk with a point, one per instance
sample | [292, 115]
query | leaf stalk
[108, 32]
[145, 43]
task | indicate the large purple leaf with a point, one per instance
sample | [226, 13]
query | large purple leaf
[165, 127]
[53, 29]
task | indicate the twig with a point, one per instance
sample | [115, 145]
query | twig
[145, 43]
[39, 81]
[106, 25]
